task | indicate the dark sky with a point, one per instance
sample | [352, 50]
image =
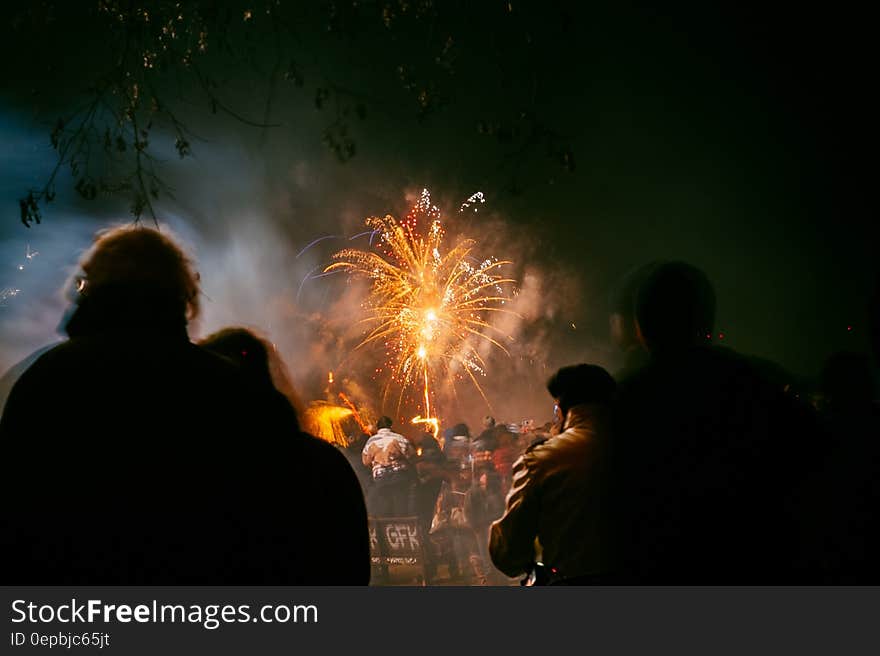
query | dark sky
[741, 140]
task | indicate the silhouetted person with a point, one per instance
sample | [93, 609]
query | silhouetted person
[622, 320]
[848, 497]
[483, 504]
[136, 457]
[487, 440]
[457, 443]
[391, 457]
[557, 496]
[482, 449]
[505, 454]
[431, 468]
[847, 387]
[262, 366]
[708, 456]
[15, 371]
[340, 515]
[430, 463]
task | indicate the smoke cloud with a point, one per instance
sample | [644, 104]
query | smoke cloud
[247, 216]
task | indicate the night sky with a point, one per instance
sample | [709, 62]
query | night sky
[739, 140]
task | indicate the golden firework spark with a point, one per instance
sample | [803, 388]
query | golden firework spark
[431, 422]
[430, 309]
[325, 420]
[354, 413]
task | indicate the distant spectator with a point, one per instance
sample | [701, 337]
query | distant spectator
[390, 456]
[707, 453]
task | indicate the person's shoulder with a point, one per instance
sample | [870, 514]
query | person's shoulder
[47, 380]
[726, 361]
[317, 448]
[634, 380]
[211, 363]
[66, 350]
[223, 378]
[322, 457]
[538, 450]
[536, 442]
[16, 370]
[634, 360]
[69, 355]
[535, 461]
[758, 376]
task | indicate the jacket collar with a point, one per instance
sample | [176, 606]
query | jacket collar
[581, 415]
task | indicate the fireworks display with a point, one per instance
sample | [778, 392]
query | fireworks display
[429, 309]
[327, 421]
[6, 293]
[355, 413]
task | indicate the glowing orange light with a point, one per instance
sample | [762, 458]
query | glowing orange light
[433, 422]
[324, 420]
[355, 413]
[429, 307]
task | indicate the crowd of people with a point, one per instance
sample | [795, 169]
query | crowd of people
[454, 486]
[136, 456]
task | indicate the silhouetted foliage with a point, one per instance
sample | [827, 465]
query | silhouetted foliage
[143, 62]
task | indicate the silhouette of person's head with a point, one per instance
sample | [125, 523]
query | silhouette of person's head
[256, 357]
[246, 349]
[581, 383]
[488, 422]
[675, 309]
[847, 381]
[461, 430]
[139, 265]
[384, 422]
[622, 317]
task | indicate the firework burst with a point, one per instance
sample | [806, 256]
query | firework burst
[429, 308]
